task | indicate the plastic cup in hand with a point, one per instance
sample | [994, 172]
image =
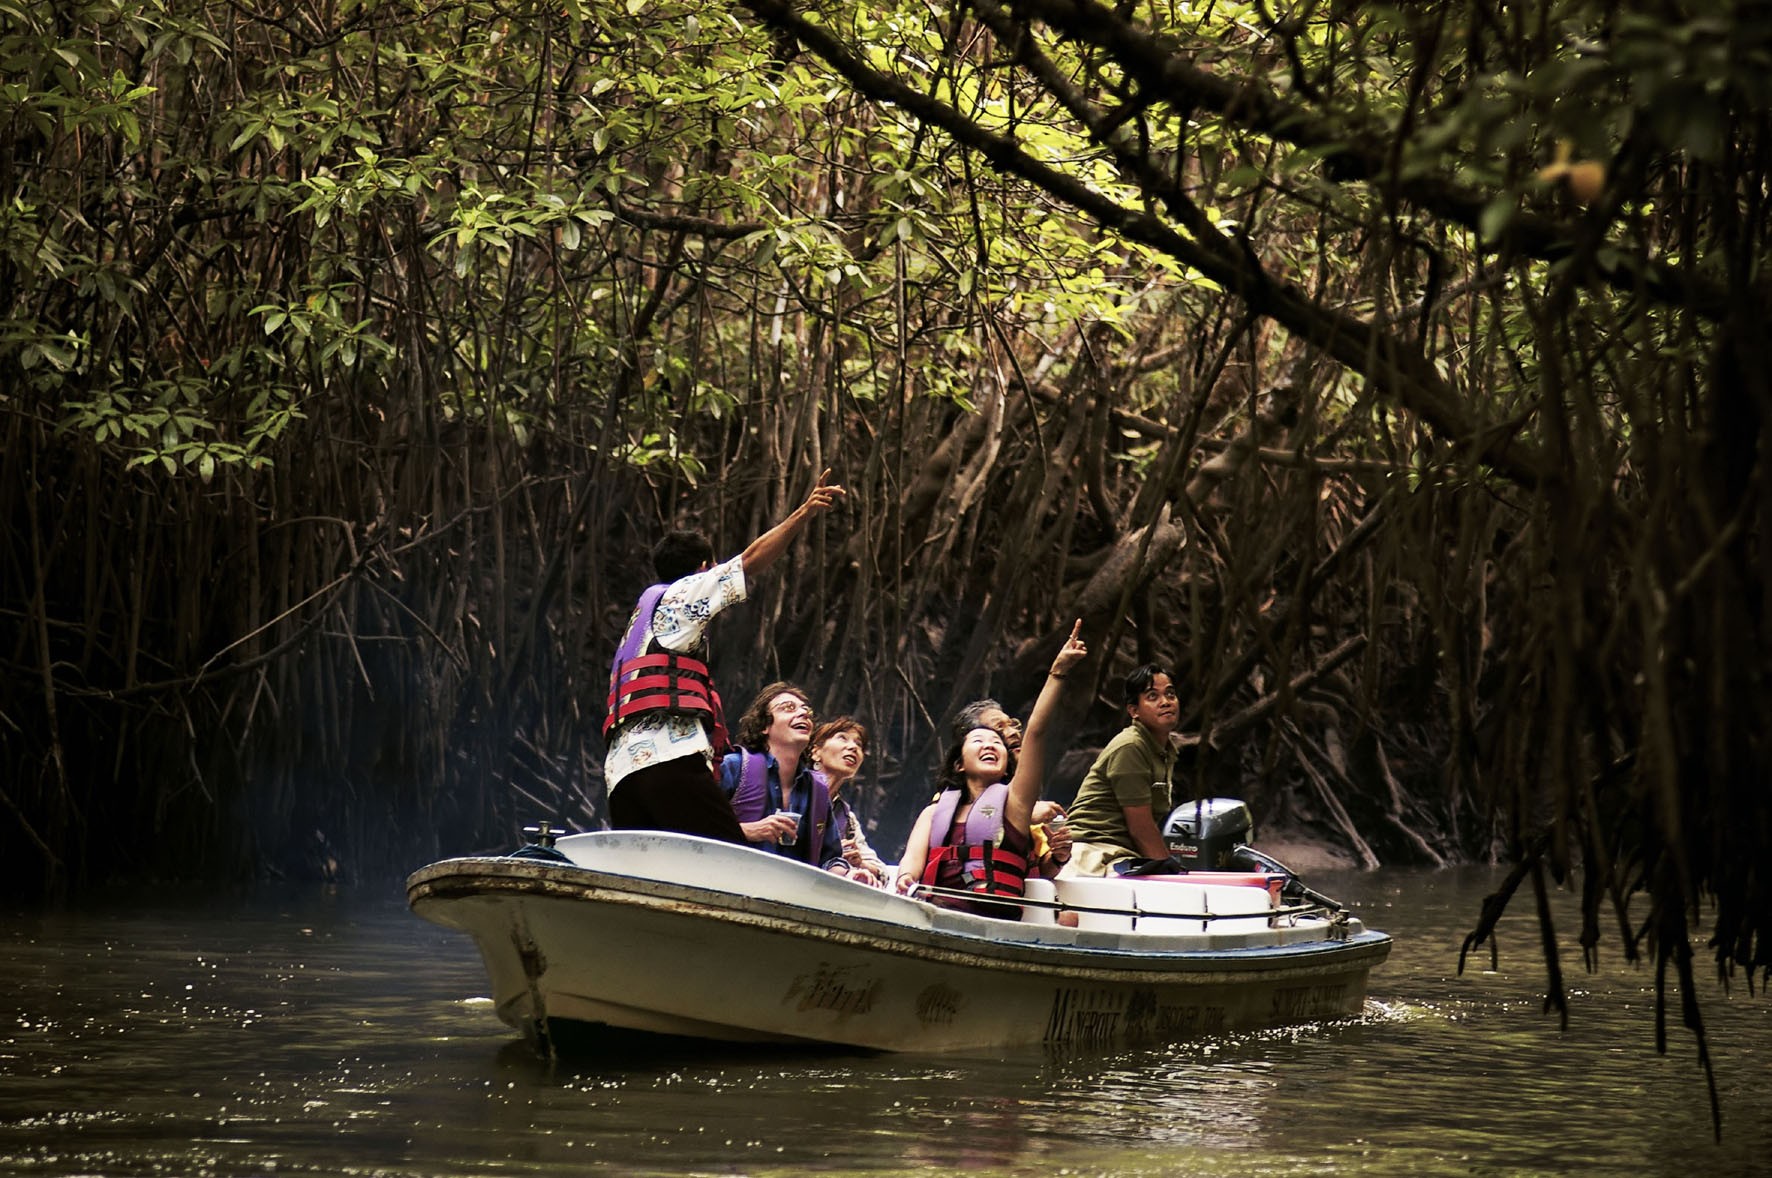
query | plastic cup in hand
[788, 840]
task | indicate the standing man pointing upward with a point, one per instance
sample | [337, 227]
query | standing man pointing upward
[664, 725]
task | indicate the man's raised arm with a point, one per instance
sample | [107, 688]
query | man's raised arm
[767, 548]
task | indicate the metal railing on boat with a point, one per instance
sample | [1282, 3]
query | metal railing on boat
[1333, 913]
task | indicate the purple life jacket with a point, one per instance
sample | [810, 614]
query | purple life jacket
[751, 799]
[982, 862]
[658, 680]
[842, 813]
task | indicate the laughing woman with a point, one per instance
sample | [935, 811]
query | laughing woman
[974, 836]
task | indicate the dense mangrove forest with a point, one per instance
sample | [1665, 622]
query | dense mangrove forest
[1398, 374]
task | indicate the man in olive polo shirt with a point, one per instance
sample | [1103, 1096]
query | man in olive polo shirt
[1125, 798]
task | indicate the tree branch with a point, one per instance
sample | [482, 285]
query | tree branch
[1394, 366]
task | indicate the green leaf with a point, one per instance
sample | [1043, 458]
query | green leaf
[1496, 216]
[1243, 177]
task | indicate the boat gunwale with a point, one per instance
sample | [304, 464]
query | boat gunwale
[468, 877]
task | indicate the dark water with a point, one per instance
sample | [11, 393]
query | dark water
[336, 1034]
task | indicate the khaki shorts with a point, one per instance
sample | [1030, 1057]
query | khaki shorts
[1093, 859]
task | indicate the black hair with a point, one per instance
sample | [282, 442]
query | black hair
[679, 554]
[1140, 679]
[952, 776]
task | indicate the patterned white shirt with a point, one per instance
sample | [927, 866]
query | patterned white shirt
[677, 624]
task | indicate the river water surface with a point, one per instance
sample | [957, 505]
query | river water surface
[310, 1032]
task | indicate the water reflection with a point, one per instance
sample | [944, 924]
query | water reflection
[336, 1034]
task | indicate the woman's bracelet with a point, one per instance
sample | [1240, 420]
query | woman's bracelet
[1055, 674]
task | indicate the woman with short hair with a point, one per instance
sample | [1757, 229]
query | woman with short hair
[838, 747]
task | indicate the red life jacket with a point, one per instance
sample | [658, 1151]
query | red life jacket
[980, 859]
[645, 678]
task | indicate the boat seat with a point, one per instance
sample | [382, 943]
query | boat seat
[1232, 900]
[1100, 893]
[1041, 890]
[1160, 904]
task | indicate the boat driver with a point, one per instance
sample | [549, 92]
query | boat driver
[1125, 796]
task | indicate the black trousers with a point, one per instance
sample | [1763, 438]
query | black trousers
[681, 794]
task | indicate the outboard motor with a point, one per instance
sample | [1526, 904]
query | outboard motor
[1206, 833]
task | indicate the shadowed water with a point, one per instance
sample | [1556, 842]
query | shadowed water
[334, 1033]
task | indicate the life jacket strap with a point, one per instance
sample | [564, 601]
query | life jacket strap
[676, 662]
[688, 689]
[985, 868]
[676, 684]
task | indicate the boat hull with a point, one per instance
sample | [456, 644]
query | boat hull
[800, 956]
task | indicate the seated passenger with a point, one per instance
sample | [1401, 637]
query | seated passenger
[1125, 796]
[780, 806]
[837, 749]
[988, 713]
[975, 836]
[1052, 840]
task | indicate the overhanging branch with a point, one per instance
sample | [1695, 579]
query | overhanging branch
[1163, 71]
[1391, 364]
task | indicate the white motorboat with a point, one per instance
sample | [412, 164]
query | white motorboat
[676, 935]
